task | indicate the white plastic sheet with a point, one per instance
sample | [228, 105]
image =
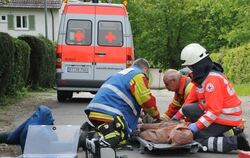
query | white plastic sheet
[59, 141]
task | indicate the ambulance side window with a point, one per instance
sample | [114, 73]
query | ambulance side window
[79, 32]
[110, 33]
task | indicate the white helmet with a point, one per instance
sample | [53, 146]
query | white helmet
[193, 53]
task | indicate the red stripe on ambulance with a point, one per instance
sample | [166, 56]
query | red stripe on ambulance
[100, 10]
[84, 54]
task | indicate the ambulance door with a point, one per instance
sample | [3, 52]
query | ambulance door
[110, 49]
[78, 52]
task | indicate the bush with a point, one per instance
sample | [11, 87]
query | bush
[24, 51]
[235, 63]
[50, 58]
[7, 50]
[21, 67]
[218, 56]
[38, 64]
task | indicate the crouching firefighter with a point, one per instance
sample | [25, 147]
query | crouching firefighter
[212, 105]
[116, 107]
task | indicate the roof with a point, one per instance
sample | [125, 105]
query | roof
[55, 4]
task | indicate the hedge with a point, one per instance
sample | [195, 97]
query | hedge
[50, 58]
[21, 67]
[42, 62]
[26, 61]
[7, 50]
[236, 63]
[37, 60]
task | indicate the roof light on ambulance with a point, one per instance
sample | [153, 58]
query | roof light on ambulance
[125, 2]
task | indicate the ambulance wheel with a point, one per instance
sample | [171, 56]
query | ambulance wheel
[62, 96]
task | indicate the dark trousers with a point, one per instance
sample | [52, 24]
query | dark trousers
[115, 132]
[212, 136]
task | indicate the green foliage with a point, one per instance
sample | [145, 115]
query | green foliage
[8, 100]
[240, 33]
[25, 62]
[37, 71]
[24, 50]
[235, 62]
[162, 28]
[7, 50]
[42, 62]
[218, 56]
[21, 68]
[238, 73]
[156, 29]
[215, 19]
[50, 58]
[242, 89]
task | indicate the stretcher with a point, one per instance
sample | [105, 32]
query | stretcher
[147, 145]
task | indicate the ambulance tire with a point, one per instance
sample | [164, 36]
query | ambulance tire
[62, 96]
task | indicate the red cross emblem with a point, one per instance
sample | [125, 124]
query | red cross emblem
[79, 36]
[110, 37]
[210, 87]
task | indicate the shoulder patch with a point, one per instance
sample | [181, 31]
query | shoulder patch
[209, 87]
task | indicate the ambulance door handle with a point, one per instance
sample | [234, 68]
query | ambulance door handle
[100, 53]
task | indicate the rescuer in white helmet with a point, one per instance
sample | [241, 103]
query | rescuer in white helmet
[212, 105]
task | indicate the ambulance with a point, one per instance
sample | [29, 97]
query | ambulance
[94, 42]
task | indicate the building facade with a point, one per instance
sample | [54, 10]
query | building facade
[27, 17]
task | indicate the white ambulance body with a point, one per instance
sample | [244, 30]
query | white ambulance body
[94, 42]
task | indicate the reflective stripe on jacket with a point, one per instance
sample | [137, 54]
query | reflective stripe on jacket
[115, 98]
[179, 97]
[218, 100]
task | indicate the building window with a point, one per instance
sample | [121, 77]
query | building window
[3, 18]
[22, 22]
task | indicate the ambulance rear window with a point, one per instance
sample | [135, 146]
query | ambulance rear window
[79, 32]
[110, 33]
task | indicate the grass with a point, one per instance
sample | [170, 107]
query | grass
[8, 100]
[242, 89]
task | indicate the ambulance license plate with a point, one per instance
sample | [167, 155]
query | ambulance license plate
[78, 69]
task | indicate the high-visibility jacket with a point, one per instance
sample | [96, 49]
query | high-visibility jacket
[218, 100]
[116, 98]
[179, 97]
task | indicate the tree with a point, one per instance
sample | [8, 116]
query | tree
[162, 28]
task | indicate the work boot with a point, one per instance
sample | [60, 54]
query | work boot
[243, 143]
[3, 137]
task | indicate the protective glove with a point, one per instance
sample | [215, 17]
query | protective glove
[175, 118]
[165, 117]
[157, 120]
[193, 127]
